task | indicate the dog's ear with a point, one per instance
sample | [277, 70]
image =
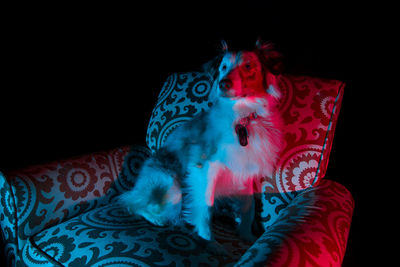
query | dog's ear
[270, 58]
[211, 66]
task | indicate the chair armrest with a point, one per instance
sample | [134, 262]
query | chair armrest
[38, 197]
[311, 231]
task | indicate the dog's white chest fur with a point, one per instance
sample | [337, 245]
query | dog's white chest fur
[248, 161]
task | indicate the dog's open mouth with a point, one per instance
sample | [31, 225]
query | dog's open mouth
[242, 133]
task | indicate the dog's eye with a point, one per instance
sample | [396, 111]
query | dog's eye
[247, 66]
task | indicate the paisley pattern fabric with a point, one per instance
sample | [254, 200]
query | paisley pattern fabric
[109, 236]
[311, 231]
[38, 197]
[65, 213]
[182, 97]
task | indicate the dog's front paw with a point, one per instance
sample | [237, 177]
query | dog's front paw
[204, 231]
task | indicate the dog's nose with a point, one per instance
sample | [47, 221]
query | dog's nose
[225, 84]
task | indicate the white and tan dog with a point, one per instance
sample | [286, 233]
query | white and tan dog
[217, 154]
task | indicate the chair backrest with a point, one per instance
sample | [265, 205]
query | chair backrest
[309, 108]
[182, 97]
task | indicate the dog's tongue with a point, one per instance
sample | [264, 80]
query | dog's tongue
[241, 131]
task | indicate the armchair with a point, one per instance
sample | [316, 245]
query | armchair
[65, 213]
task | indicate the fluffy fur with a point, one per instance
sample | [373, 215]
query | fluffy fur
[204, 160]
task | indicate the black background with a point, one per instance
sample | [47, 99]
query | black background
[79, 79]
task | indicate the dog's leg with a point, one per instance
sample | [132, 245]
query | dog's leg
[156, 195]
[247, 212]
[201, 188]
[247, 218]
[200, 199]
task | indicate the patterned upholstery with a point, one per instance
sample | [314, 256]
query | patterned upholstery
[65, 213]
[38, 197]
[107, 235]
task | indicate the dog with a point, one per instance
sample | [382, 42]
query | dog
[218, 154]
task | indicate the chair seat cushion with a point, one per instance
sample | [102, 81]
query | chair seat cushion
[108, 236]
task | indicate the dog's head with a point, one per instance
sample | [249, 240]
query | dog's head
[248, 72]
